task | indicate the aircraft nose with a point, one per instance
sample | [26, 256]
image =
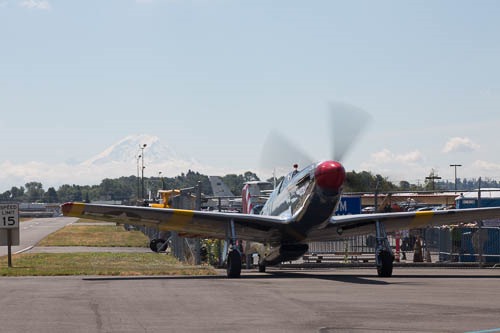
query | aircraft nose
[330, 175]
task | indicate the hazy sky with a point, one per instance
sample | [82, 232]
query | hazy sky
[211, 79]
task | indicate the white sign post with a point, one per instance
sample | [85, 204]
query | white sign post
[9, 227]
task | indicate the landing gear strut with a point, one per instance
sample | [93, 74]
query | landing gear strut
[262, 266]
[234, 264]
[233, 255]
[384, 257]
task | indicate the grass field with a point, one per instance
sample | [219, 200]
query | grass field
[96, 235]
[97, 263]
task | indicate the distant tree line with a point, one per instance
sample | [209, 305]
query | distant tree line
[124, 189]
[129, 189]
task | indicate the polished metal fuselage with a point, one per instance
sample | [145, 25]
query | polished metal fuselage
[308, 207]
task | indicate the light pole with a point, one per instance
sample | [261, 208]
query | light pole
[162, 182]
[142, 175]
[138, 181]
[455, 166]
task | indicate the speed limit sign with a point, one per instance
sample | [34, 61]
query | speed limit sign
[9, 227]
[9, 216]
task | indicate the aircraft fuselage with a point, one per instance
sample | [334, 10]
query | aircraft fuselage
[309, 198]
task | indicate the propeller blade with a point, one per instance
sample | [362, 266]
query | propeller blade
[347, 123]
[279, 152]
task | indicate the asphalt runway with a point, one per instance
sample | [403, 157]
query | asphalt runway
[34, 230]
[333, 300]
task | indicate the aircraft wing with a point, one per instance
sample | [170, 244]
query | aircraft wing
[348, 225]
[264, 229]
[187, 223]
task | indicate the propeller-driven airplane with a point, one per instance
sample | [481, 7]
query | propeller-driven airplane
[300, 210]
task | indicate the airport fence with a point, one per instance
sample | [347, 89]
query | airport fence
[464, 244]
[470, 245]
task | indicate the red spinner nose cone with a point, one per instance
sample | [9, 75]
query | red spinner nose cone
[330, 175]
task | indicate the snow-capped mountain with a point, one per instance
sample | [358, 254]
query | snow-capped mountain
[129, 149]
[124, 158]
[120, 159]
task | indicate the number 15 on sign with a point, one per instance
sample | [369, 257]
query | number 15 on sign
[9, 216]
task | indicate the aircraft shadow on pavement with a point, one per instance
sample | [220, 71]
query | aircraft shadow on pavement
[366, 279]
[353, 279]
[446, 276]
[273, 275]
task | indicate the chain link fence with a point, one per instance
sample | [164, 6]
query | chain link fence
[454, 245]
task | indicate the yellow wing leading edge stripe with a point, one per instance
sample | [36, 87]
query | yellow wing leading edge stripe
[180, 218]
[75, 209]
[421, 219]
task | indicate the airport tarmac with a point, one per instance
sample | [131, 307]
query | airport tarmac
[34, 230]
[328, 300]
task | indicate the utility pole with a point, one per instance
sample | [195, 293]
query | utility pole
[479, 193]
[455, 166]
[433, 178]
[479, 226]
[197, 244]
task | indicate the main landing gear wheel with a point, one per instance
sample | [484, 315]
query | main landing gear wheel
[386, 264]
[156, 244]
[233, 264]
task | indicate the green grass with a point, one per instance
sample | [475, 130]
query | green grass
[97, 263]
[110, 264]
[96, 235]
[82, 220]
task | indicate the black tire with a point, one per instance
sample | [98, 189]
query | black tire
[262, 268]
[386, 260]
[156, 244]
[233, 264]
